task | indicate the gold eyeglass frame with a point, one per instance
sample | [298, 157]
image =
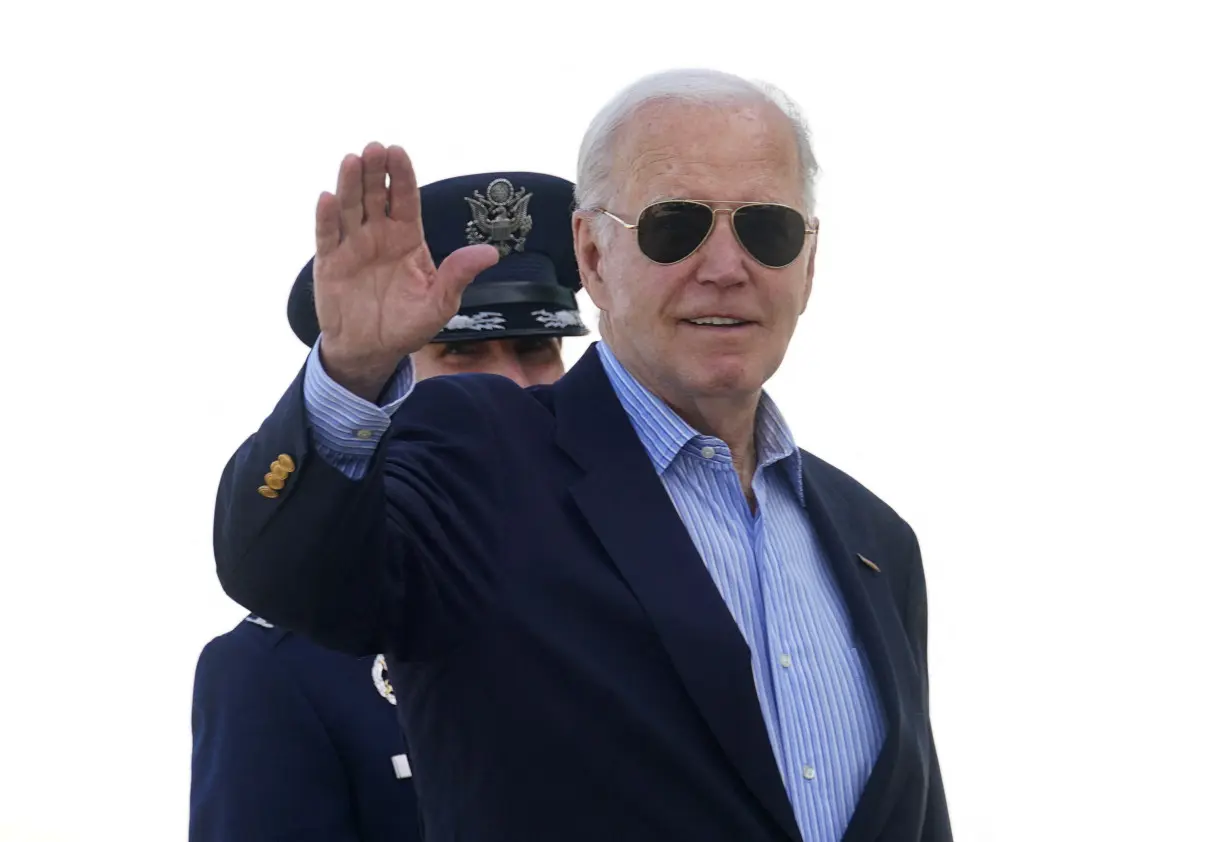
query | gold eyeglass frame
[714, 211]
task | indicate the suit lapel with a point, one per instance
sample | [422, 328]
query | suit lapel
[622, 498]
[870, 603]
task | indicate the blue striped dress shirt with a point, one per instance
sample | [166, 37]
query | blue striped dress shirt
[823, 715]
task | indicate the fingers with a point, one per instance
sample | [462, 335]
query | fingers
[350, 194]
[403, 186]
[328, 224]
[362, 193]
[459, 268]
[375, 194]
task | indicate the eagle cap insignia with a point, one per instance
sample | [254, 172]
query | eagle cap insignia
[501, 218]
[380, 677]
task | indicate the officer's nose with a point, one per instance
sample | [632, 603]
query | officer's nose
[507, 363]
[516, 374]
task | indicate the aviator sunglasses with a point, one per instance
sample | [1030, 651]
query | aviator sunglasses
[672, 230]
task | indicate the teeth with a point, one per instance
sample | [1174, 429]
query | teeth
[716, 320]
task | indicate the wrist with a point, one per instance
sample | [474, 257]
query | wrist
[364, 376]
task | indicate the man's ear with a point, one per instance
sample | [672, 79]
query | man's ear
[589, 258]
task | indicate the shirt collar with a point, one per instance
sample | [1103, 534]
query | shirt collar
[664, 434]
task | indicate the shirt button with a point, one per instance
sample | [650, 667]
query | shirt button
[809, 772]
[364, 434]
[784, 660]
[707, 452]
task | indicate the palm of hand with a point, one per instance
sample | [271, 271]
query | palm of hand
[380, 288]
[379, 295]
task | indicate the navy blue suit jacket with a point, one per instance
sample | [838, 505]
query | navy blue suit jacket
[565, 666]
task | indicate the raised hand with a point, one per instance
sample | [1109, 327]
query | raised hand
[379, 295]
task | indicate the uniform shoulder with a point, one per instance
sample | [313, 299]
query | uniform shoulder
[252, 636]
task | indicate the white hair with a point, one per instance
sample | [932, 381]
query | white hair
[596, 160]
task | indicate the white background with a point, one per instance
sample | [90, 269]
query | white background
[1018, 339]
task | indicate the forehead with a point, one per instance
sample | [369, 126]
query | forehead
[737, 152]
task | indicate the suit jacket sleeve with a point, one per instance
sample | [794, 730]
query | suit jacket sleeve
[936, 825]
[389, 561]
[263, 766]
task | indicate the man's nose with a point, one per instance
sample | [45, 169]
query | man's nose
[721, 260]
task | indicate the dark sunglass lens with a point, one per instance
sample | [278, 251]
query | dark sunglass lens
[669, 231]
[773, 234]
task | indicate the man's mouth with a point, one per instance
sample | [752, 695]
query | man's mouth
[717, 321]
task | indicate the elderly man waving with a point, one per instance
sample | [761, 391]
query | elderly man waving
[626, 606]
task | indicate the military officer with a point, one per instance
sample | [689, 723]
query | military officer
[292, 741]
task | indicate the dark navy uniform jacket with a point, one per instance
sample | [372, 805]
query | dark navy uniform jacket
[292, 741]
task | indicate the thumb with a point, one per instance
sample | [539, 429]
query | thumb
[459, 268]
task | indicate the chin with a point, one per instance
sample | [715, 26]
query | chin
[722, 377]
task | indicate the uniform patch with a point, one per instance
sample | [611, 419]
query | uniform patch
[380, 677]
